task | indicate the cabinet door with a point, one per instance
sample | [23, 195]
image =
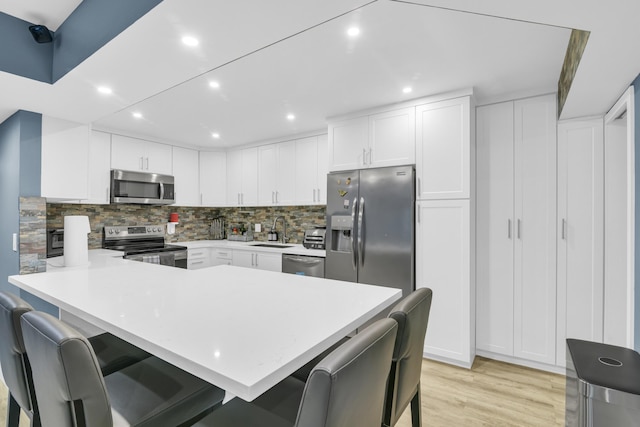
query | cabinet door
[268, 261]
[580, 233]
[495, 232]
[323, 170]
[443, 149]
[392, 138]
[128, 153]
[249, 193]
[443, 256]
[267, 174]
[286, 174]
[198, 258]
[348, 143]
[186, 175]
[306, 168]
[243, 259]
[65, 159]
[234, 177]
[99, 168]
[158, 158]
[213, 178]
[535, 213]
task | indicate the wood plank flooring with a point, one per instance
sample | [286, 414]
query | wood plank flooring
[492, 393]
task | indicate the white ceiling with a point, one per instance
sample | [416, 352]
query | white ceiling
[283, 57]
[43, 12]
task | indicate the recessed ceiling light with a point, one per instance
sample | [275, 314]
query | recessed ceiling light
[105, 90]
[291, 117]
[214, 84]
[407, 89]
[215, 135]
[353, 31]
[190, 41]
[137, 115]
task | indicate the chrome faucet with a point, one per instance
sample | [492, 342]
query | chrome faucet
[284, 228]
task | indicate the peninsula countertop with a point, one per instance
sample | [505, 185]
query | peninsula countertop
[241, 329]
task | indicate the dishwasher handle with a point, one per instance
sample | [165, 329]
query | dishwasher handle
[304, 260]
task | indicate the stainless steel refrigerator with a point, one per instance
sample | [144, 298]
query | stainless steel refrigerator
[370, 227]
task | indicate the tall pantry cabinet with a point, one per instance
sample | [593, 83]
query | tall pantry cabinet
[445, 226]
[516, 229]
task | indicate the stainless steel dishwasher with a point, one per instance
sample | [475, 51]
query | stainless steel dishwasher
[303, 265]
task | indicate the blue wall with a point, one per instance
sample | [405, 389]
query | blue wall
[20, 151]
[636, 102]
[20, 54]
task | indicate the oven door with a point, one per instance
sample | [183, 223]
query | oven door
[142, 188]
[170, 258]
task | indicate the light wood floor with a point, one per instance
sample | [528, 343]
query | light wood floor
[490, 394]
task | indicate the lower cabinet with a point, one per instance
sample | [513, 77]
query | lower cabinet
[199, 258]
[221, 256]
[444, 243]
[260, 260]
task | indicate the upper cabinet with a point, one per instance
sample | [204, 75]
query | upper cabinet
[213, 178]
[65, 159]
[276, 174]
[443, 149]
[242, 177]
[185, 173]
[311, 170]
[383, 139]
[99, 168]
[139, 155]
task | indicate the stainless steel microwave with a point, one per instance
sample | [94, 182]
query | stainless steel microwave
[142, 188]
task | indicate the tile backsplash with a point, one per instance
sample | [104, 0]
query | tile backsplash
[194, 221]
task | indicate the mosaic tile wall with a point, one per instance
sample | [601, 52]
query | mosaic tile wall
[195, 222]
[33, 236]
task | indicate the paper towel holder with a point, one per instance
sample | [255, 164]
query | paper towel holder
[171, 227]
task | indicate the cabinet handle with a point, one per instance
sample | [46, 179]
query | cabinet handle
[223, 253]
[418, 215]
[201, 198]
[519, 235]
[251, 260]
[238, 199]
[319, 199]
[564, 229]
[277, 197]
[314, 195]
[196, 262]
[242, 199]
[509, 228]
[272, 198]
[141, 163]
[107, 194]
[256, 260]
[364, 157]
[370, 156]
[147, 163]
[419, 186]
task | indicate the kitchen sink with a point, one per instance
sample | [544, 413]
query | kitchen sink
[271, 245]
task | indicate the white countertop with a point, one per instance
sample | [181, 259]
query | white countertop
[241, 329]
[291, 248]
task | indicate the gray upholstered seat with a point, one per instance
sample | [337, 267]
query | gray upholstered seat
[412, 315]
[71, 390]
[112, 353]
[346, 389]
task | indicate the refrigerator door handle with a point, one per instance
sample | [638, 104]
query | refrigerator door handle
[360, 233]
[354, 252]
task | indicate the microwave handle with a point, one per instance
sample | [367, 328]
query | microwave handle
[161, 190]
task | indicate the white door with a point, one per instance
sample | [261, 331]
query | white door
[443, 150]
[267, 174]
[213, 178]
[99, 168]
[158, 158]
[234, 177]
[495, 229]
[268, 261]
[580, 233]
[187, 176]
[306, 167]
[243, 259]
[128, 153]
[443, 251]
[392, 138]
[323, 170]
[535, 229]
[348, 144]
[286, 173]
[249, 193]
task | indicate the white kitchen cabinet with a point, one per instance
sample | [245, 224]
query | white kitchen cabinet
[259, 260]
[99, 168]
[276, 174]
[383, 139]
[213, 178]
[242, 177]
[135, 154]
[444, 244]
[516, 226]
[64, 159]
[580, 239]
[311, 170]
[199, 258]
[443, 149]
[221, 256]
[186, 175]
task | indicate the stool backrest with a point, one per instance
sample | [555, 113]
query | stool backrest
[347, 387]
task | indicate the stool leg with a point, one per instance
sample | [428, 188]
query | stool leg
[416, 409]
[13, 412]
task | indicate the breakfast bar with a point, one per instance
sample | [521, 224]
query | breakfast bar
[243, 330]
